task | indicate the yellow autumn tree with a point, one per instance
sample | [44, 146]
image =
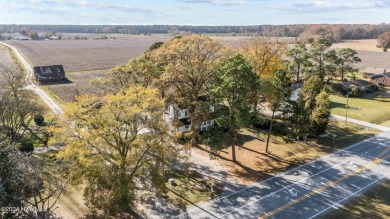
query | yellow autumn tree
[117, 146]
[265, 57]
[264, 54]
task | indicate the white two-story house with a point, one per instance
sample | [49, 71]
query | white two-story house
[178, 119]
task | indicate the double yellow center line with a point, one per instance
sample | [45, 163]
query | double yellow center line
[375, 161]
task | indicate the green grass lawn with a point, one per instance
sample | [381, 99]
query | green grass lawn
[374, 107]
[375, 203]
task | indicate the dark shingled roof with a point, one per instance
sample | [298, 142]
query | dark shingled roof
[357, 83]
[387, 75]
[49, 73]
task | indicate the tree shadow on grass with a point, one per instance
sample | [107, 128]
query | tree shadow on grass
[192, 203]
[213, 154]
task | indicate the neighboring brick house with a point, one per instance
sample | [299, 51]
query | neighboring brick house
[372, 71]
[382, 79]
[49, 74]
[178, 119]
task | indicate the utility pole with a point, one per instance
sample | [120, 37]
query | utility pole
[346, 110]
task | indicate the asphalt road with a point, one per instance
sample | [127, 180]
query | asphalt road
[308, 191]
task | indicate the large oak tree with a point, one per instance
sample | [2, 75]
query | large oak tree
[190, 67]
[118, 146]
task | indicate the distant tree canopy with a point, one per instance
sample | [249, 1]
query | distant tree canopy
[333, 32]
[384, 41]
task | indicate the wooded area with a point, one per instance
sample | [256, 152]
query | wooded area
[329, 31]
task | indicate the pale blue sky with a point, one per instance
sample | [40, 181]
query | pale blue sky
[194, 12]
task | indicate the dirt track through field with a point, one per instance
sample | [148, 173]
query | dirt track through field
[31, 86]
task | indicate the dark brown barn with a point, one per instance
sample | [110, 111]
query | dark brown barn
[49, 74]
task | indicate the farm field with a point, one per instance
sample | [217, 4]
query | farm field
[373, 59]
[371, 55]
[85, 60]
[84, 55]
[364, 45]
[81, 85]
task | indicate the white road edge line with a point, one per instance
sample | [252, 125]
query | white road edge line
[278, 175]
[353, 194]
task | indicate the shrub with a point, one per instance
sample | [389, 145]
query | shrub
[39, 120]
[26, 146]
[280, 128]
[260, 122]
[356, 92]
[182, 137]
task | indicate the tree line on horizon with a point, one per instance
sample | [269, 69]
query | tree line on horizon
[333, 32]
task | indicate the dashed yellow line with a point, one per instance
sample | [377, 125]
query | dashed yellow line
[377, 160]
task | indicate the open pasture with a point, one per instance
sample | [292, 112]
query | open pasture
[84, 55]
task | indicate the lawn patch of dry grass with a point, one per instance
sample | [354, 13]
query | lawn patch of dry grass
[71, 204]
[373, 204]
[366, 45]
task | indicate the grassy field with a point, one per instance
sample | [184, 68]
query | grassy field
[374, 107]
[255, 164]
[373, 204]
